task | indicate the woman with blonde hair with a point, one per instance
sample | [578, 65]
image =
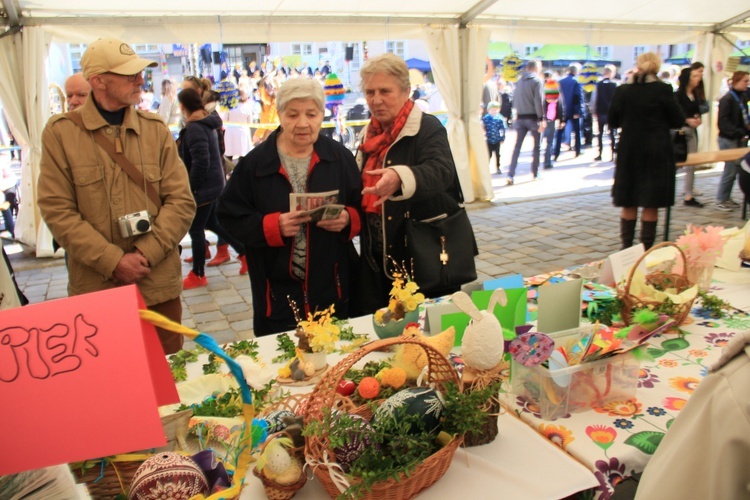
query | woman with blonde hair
[169, 108]
[645, 109]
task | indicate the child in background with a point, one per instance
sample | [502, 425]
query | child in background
[494, 129]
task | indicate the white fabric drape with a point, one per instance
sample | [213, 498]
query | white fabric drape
[443, 47]
[477, 41]
[25, 96]
[713, 51]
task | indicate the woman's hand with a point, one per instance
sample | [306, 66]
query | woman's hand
[693, 122]
[388, 184]
[337, 224]
[290, 223]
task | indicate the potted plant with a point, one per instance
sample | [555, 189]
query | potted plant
[403, 306]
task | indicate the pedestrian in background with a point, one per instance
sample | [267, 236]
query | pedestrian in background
[494, 131]
[734, 127]
[528, 99]
[644, 109]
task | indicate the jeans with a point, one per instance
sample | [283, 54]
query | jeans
[549, 139]
[730, 170]
[524, 126]
[205, 218]
[575, 124]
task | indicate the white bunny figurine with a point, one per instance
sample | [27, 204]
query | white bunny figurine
[482, 345]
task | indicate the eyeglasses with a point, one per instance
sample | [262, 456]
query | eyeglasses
[131, 78]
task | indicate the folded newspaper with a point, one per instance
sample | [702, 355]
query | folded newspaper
[319, 206]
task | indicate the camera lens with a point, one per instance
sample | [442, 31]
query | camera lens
[142, 225]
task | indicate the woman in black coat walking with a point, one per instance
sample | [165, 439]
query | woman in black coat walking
[199, 150]
[645, 109]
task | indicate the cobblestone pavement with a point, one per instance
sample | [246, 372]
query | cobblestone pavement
[518, 232]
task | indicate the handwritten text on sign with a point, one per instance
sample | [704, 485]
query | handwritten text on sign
[43, 353]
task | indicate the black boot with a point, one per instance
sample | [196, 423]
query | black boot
[627, 233]
[648, 233]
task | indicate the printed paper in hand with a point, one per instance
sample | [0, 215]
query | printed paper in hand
[319, 206]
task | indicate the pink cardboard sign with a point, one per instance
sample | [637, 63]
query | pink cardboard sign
[79, 379]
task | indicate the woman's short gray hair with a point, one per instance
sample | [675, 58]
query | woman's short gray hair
[300, 88]
[389, 64]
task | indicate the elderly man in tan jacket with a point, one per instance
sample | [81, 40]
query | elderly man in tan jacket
[113, 190]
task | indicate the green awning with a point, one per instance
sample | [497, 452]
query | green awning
[498, 50]
[554, 52]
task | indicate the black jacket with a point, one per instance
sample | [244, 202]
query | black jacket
[256, 195]
[425, 163]
[199, 150]
[645, 169]
[731, 125]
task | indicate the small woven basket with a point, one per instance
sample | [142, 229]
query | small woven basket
[323, 396]
[275, 491]
[659, 280]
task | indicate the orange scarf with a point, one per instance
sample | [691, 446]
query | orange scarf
[375, 146]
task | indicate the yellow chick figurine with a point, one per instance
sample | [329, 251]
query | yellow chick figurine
[412, 358]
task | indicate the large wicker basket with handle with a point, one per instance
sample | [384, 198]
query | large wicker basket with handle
[659, 280]
[317, 447]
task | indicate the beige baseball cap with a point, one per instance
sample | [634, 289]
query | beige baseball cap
[110, 55]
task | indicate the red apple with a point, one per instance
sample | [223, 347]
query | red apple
[346, 387]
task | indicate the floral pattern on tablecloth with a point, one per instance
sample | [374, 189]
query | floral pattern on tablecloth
[617, 440]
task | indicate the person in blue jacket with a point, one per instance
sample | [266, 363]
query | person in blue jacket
[572, 94]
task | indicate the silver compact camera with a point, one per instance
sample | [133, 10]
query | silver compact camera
[134, 224]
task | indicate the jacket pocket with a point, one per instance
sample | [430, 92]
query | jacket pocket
[153, 176]
[91, 194]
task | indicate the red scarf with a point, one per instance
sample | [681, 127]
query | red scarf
[375, 146]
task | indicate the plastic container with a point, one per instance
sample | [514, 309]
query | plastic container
[576, 388]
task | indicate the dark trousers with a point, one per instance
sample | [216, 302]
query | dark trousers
[8, 221]
[524, 126]
[172, 309]
[576, 124]
[205, 218]
[603, 120]
[495, 148]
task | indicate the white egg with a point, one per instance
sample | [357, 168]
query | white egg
[483, 345]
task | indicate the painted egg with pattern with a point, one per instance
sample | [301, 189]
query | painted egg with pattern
[168, 475]
[359, 437]
[424, 402]
[275, 420]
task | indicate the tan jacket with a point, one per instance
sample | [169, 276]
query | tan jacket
[82, 192]
[706, 453]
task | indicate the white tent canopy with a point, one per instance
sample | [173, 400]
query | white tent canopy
[456, 35]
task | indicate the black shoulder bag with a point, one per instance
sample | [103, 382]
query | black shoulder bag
[679, 145]
[442, 251]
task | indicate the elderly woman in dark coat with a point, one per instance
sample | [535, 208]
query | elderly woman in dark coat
[407, 166]
[645, 109]
[289, 255]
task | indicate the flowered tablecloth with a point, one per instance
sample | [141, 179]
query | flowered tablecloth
[618, 440]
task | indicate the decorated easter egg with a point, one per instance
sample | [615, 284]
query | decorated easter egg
[309, 369]
[531, 348]
[279, 460]
[168, 475]
[275, 420]
[346, 387]
[358, 438]
[422, 401]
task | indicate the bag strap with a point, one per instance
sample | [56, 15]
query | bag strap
[119, 158]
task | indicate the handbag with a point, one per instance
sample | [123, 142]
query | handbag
[442, 251]
[679, 146]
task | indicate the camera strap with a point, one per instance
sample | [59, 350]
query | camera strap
[119, 158]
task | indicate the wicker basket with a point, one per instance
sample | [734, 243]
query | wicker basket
[660, 280]
[107, 478]
[324, 396]
[275, 491]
